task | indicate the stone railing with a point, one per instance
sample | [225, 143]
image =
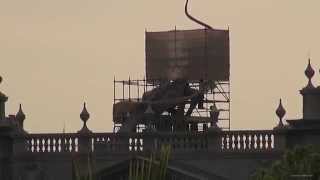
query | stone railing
[54, 143]
[236, 141]
[133, 142]
[217, 141]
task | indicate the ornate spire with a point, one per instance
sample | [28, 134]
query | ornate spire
[280, 113]
[309, 72]
[84, 115]
[20, 116]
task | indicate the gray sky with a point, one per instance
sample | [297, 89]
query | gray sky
[56, 54]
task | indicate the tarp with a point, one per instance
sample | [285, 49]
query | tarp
[188, 54]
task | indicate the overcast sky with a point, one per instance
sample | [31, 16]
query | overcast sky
[56, 54]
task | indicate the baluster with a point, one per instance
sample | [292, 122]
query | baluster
[63, 144]
[135, 144]
[46, 145]
[56, 145]
[252, 142]
[269, 142]
[255, 144]
[239, 146]
[60, 145]
[41, 145]
[258, 141]
[37, 145]
[73, 146]
[77, 144]
[264, 142]
[66, 144]
[138, 144]
[130, 144]
[70, 144]
[241, 142]
[245, 141]
[234, 142]
[226, 142]
[32, 145]
[222, 142]
[53, 145]
[28, 145]
[42, 142]
[229, 142]
[248, 142]
[141, 144]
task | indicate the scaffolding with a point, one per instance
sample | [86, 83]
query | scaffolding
[187, 74]
[132, 90]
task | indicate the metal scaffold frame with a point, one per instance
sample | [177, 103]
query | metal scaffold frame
[132, 90]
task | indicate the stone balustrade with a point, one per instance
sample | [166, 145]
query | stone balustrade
[52, 143]
[236, 141]
[219, 141]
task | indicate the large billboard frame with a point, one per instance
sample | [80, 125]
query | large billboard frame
[188, 54]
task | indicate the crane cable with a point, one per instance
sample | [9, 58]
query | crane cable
[194, 19]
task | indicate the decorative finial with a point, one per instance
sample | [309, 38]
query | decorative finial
[280, 113]
[84, 115]
[20, 116]
[309, 72]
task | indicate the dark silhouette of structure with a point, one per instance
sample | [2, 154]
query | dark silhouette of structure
[203, 153]
[183, 101]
